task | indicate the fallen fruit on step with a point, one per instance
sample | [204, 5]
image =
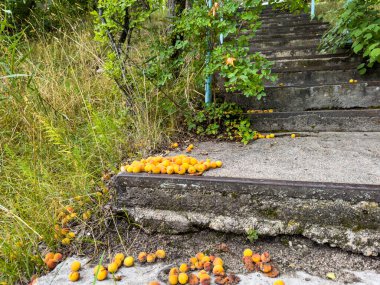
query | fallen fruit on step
[173, 279]
[293, 136]
[207, 266]
[174, 271]
[58, 257]
[256, 258]
[265, 257]
[193, 279]
[74, 276]
[112, 267]
[151, 257]
[174, 145]
[75, 266]
[119, 256]
[154, 283]
[218, 270]
[183, 278]
[278, 282]
[265, 267]
[142, 257]
[129, 261]
[205, 279]
[102, 274]
[247, 252]
[218, 261]
[183, 267]
[98, 268]
[48, 256]
[66, 241]
[160, 253]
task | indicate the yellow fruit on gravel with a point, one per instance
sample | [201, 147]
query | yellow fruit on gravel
[247, 252]
[292, 136]
[193, 161]
[169, 170]
[151, 257]
[98, 267]
[219, 163]
[142, 257]
[173, 279]
[74, 276]
[174, 271]
[200, 256]
[218, 261]
[278, 282]
[136, 169]
[160, 253]
[129, 261]
[183, 278]
[102, 274]
[113, 267]
[351, 81]
[218, 270]
[154, 283]
[271, 136]
[181, 170]
[65, 241]
[191, 170]
[119, 256]
[205, 259]
[193, 260]
[184, 267]
[156, 169]
[75, 266]
[148, 168]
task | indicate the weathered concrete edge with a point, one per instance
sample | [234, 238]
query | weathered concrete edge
[179, 204]
[295, 189]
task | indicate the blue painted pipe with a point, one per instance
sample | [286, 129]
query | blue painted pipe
[208, 83]
[312, 9]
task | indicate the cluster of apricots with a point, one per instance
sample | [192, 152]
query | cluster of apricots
[259, 111]
[62, 232]
[101, 272]
[207, 266]
[52, 259]
[74, 274]
[179, 164]
[352, 81]
[259, 262]
[261, 136]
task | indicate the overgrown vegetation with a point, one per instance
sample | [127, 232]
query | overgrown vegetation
[358, 25]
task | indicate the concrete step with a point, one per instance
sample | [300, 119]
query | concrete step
[280, 16]
[319, 77]
[301, 30]
[285, 43]
[315, 97]
[294, 52]
[268, 36]
[320, 63]
[293, 25]
[361, 120]
[289, 20]
[343, 215]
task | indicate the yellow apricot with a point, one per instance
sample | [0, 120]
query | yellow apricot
[278, 282]
[113, 267]
[154, 283]
[65, 241]
[169, 170]
[148, 167]
[129, 261]
[292, 136]
[119, 256]
[193, 260]
[151, 257]
[98, 268]
[102, 274]
[183, 278]
[218, 261]
[219, 163]
[74, 276]
[193, 161]
[160, 253]
[183, 267]
[142, 257]
[181, 170]
[49, 255]
[191, 170]
[213, 164]
[247, 252]
[256, 258]
[130, 169]
[218, 270]
[75, 266]
[156, 169]
[205, 259]
[173, 279]
[174, 271]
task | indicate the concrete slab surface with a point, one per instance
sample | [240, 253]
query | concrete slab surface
[140, 275]
[320, 157]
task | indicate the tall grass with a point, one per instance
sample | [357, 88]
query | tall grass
[62, 123]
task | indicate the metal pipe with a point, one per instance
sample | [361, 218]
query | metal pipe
[208, 56]
[312, 9]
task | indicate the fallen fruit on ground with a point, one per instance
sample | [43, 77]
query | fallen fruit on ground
[74, 276]
[173, 279]
[264, 267]
[183, 267]
[58, 257]
[292, 136]
[160, 253]
[180, 164]
[75, 266]
[98, 268]
[265, 257]
[49, 255]
[193, 279]
[218, 261]
[113, 267]
[247, 252]
[102, 274]
[119, 256]
[278, 282]
[218, 270]
[183, 278]
[256, 258]
[150, 258]
[154, 283]
[142, 257]
[129, 261]
[51, 264]
[174, 271]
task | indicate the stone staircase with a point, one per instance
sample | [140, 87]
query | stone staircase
[313, 92]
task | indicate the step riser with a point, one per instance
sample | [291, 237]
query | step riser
[329, 121]
[172, 204]
[285, 43]
[315, 77]
[305, 52]
[292, 99]
[323, 63]
[298, 30]
[294, 24]
[285, 36]
[285, 16]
